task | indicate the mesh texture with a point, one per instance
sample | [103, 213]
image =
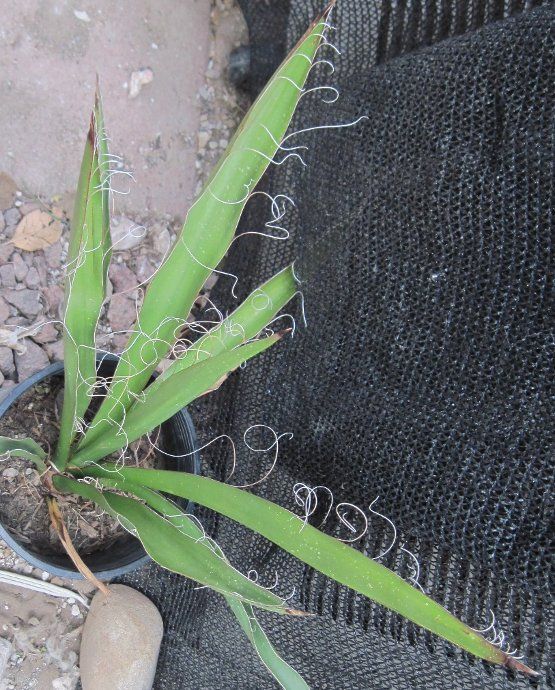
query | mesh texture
[423, 240]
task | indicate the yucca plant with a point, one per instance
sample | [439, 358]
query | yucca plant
[131, 408]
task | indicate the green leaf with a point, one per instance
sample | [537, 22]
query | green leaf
[86, 279]
[176, 548]
[208, 230]
[159, 403]
[286, 676]
[244, 323]
[322, 552]
[24, 448]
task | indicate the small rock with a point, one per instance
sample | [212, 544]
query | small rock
[121, 312]
[123, 278]
[5, 388]
[121, 641]
[67, 682]
[161, 239]
[53, 255]
[144, 269]
[34, 359]
[32, 279]
[120, 342]
[55, 351]
[75, 611]
[203, 139]
[125, 233]
[109, 291]
[1, 379]
[26, 301]
[39, 263]
[17, 321]
[139, 79]
[5, 653]
[54, 296]
[20, 267]
[7, 275]
[4, 310]
[5, 252]
[47, 333]
[7, 366]
[10, 473]
[82, 16]
[12, 217]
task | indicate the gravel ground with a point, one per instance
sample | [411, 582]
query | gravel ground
[39, 636]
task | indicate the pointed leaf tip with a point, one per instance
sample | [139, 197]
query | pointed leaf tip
[516, 665]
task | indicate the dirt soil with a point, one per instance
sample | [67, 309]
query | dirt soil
[23, 509]
[169, 132]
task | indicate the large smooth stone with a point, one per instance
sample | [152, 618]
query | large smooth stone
[121, 641]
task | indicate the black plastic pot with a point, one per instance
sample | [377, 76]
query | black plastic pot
[126, 554]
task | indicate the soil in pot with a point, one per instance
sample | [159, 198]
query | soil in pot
[23, 509]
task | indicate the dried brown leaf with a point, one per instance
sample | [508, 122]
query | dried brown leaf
[37, 230]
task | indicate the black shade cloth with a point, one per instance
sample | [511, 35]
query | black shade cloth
[423, 238]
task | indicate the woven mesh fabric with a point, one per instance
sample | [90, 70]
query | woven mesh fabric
[423, 239]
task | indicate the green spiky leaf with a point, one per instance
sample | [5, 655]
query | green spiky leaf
[177, 548]
[246, 322]
[24, 448]
[159, 403]
[86, 279]
[284, 674]
[322, 552]
[208, 230]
